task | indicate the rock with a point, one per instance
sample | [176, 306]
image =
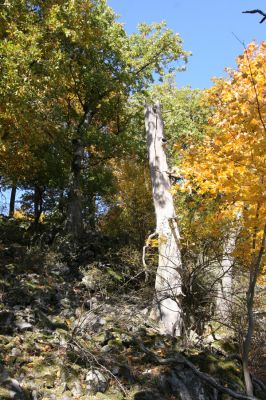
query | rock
[88, 321]
[60, 269]
[102, 321]
[185, 385]
[145, 312]
[65, 302]
[7, 319]
[96, 382]
[15, 352]
[92, 277]
[126, 339]
[125, 373]
[23, 326]
[76, 390]
[106, 349]
[148, 395]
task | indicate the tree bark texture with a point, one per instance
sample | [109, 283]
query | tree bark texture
[168, 291]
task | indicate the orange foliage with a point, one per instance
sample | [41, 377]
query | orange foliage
[230, 164]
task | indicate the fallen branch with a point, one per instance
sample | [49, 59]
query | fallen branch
[180, 359]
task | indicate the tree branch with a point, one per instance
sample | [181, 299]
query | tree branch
[256, 12]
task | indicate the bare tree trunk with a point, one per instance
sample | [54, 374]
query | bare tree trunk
[168, 292]
[253, 274]
[225, 284]
[12, 201]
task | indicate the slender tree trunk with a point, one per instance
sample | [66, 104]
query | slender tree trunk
[225, 284]
[92, 211]
[38, 203]
[12, 201]
[75, 220]
[168, 292]
[254, 271]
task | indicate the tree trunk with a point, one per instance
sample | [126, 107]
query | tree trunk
[38, 203]
[225, 284]
[12, 201]
[75, 220]
[253, 275]
[168, 291]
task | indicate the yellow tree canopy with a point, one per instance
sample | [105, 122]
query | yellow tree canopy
[230, 163]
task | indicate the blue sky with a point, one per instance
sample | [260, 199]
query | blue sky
[206, 27]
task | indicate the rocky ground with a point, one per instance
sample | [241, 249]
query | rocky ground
[72, 327]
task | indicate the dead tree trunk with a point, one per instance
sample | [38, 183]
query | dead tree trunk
[168, 292]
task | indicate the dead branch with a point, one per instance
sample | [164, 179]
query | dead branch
[256, 12]
[180, 359]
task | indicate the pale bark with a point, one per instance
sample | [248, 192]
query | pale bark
[225, 284]
[168, 292]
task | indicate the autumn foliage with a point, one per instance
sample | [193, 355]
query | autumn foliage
[230, 163]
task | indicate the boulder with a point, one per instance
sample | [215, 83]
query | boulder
[96, 382]
[23, 326]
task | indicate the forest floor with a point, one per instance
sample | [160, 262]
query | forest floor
[71, 329]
